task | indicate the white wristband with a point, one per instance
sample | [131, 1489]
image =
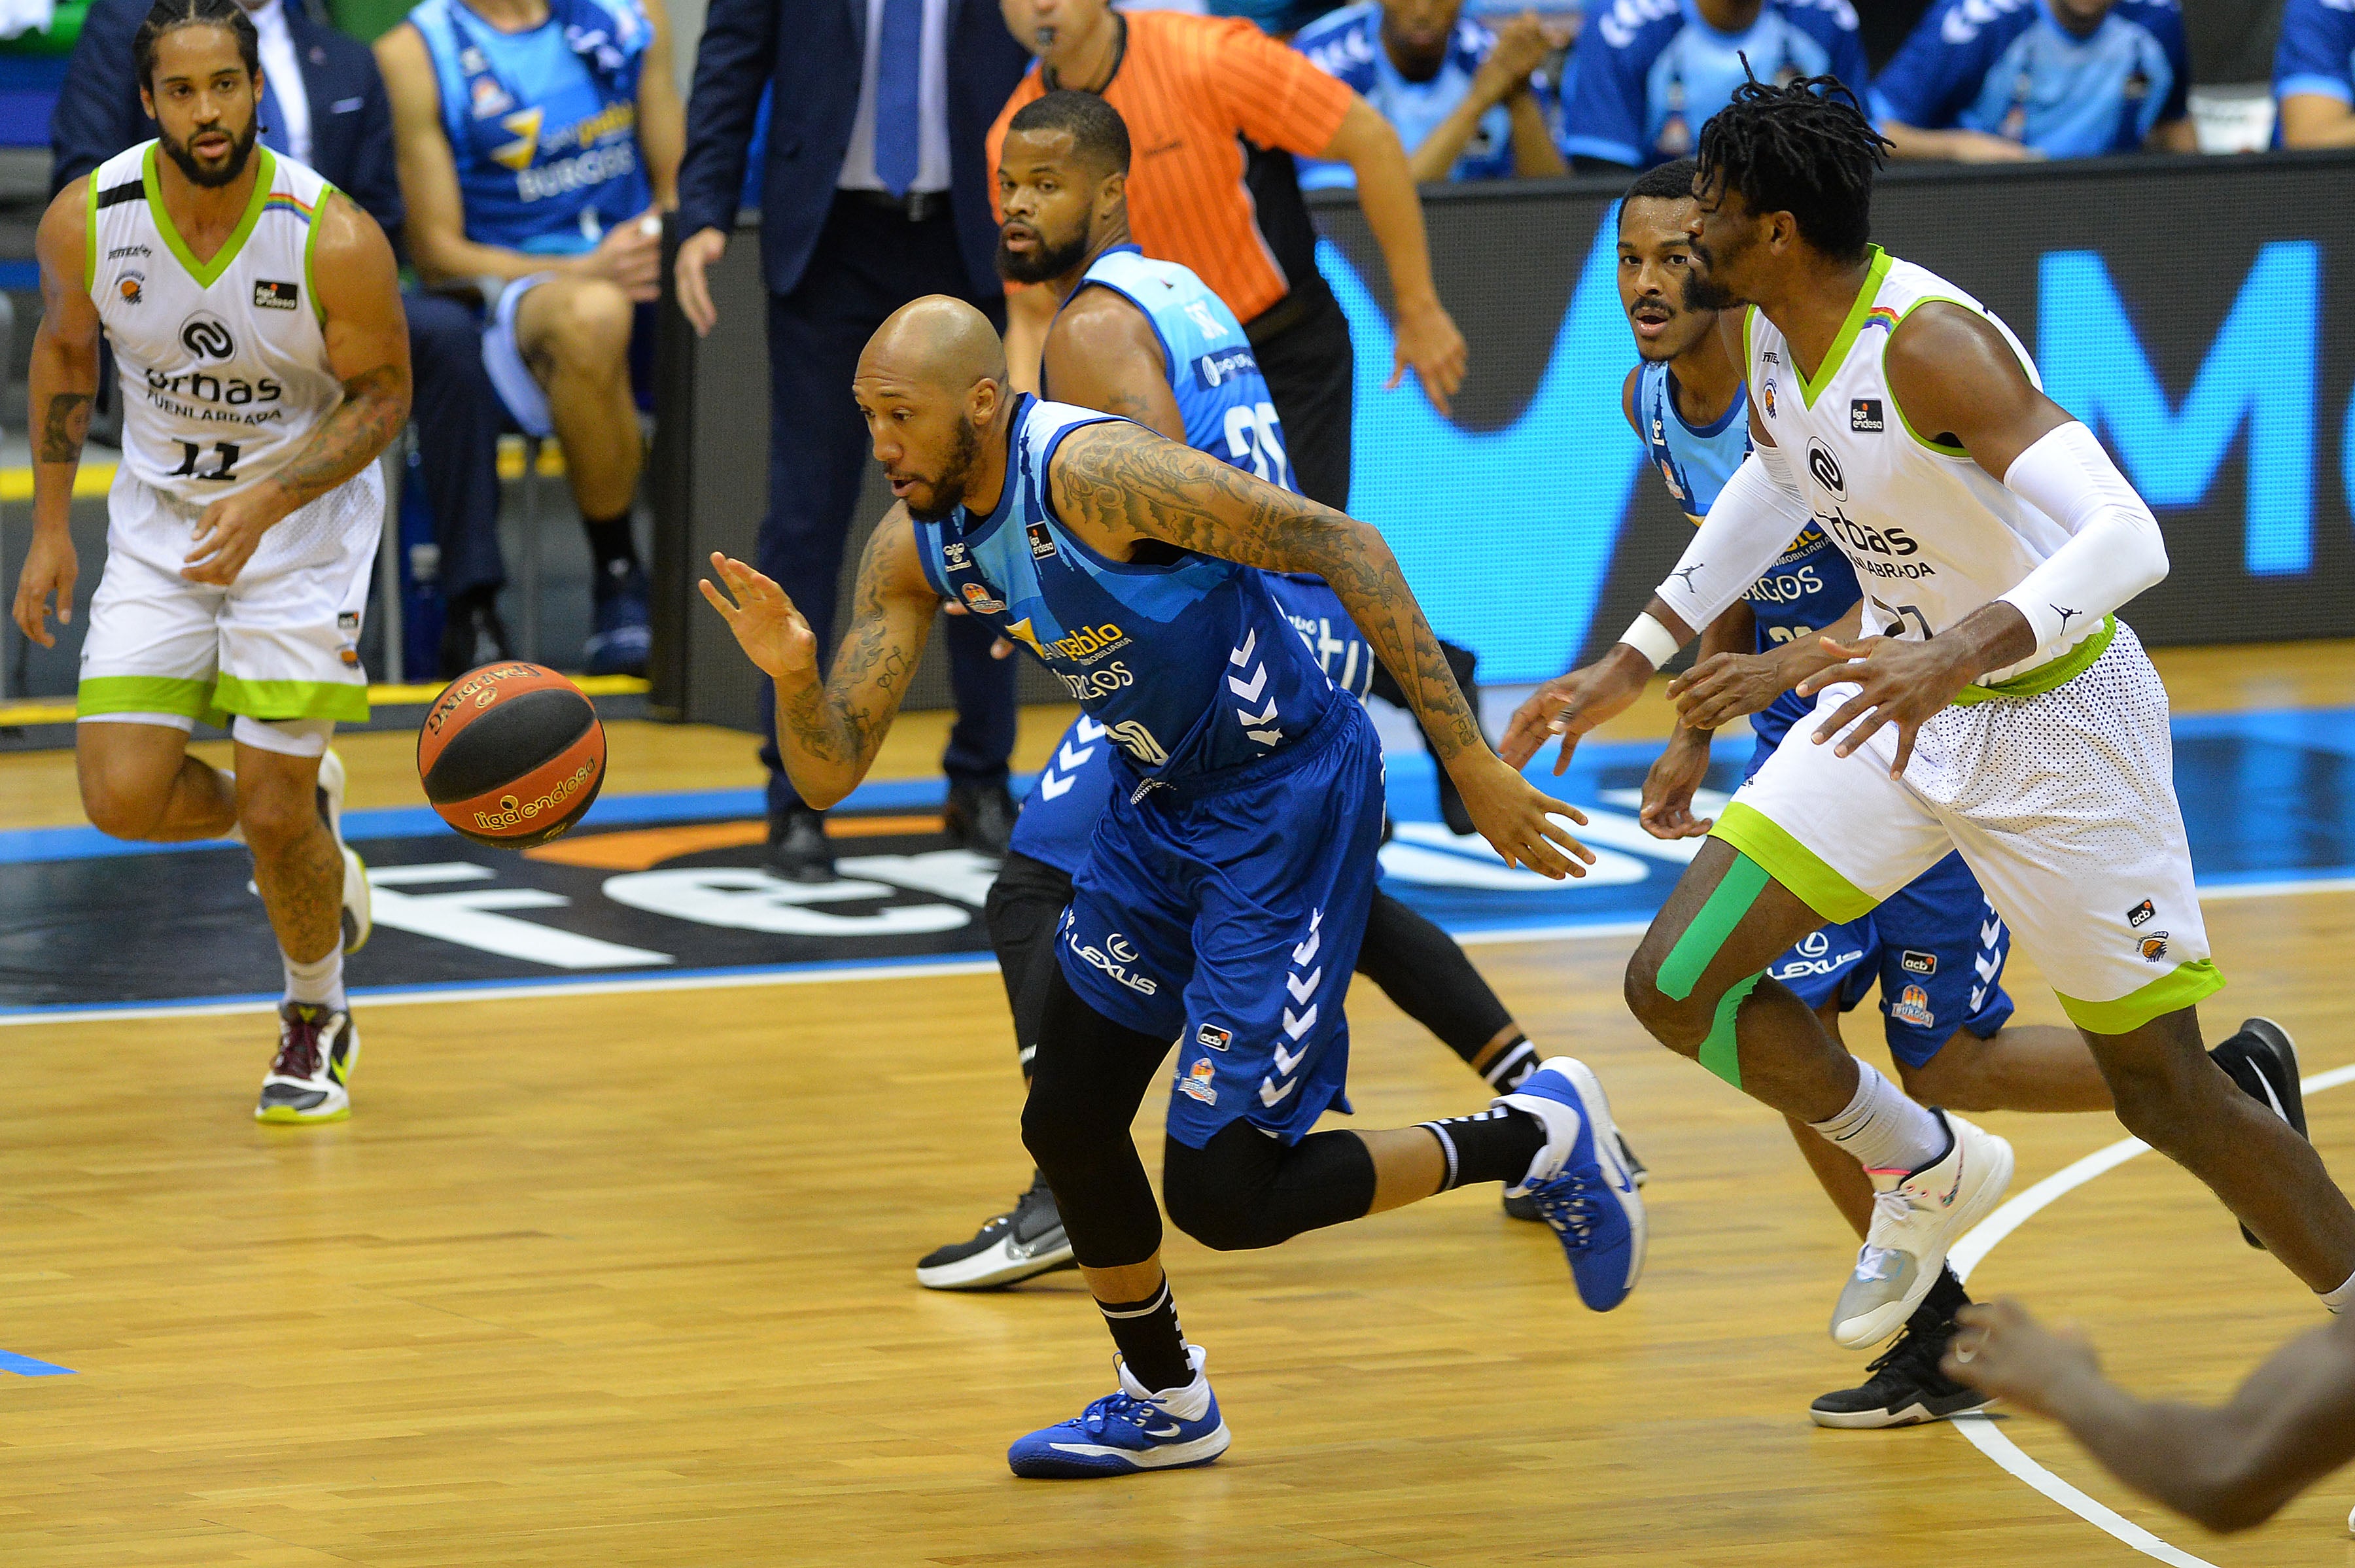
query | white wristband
[1652, 640]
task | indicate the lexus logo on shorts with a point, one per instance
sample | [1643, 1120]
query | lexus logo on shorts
[1825, 469]
[206, 338]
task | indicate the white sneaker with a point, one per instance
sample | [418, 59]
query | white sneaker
[1914, 1223]
[308, 1078]
[358, 915]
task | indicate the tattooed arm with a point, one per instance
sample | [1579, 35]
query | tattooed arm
[359, 289]
[64, 380]
[1117, 485]
[1102, 353]
[829, 731]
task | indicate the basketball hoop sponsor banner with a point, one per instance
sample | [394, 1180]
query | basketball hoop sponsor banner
[673, 885]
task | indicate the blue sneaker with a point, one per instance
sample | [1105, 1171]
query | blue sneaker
[1127, 1431]
[623, 634]
[1581, 1181]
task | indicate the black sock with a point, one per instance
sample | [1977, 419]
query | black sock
[1946, 1297]
[609, 543]
[1496, 1144]
[1151, 1343]
[1513, 1064]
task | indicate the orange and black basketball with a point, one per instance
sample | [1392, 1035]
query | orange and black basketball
[511, 754]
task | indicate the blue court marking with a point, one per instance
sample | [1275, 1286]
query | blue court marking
[26, 1367]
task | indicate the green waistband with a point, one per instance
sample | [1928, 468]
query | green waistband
[2045, 676]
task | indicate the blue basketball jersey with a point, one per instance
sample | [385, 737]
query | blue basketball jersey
[543, 124]
[1059, 813]
[1809, 587]
[1206, 359]
[1186, 660]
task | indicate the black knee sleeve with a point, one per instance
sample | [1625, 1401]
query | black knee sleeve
[1243, 1190]
[1024, 905]
[1420, 968]
[1086, 1081]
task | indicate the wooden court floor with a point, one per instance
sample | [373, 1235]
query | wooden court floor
[628, 1280]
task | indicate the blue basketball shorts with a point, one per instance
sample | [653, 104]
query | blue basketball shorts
[1937, 948]
[1225, 913]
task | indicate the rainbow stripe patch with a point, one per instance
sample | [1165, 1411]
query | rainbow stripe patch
[1882, 316]
[283, 201]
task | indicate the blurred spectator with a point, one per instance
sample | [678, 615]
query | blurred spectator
[537, 140]
[874, 191]
[324, 105]
[1998, 80]
[1647, 73]
[1280, 19]
[1195, 90]
[1459, 96]
[2314, 74]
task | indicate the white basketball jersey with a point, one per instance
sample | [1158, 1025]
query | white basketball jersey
[1932, 534]
[223, 364]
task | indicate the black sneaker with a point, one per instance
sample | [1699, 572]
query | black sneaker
[980, 816]
[471, 635]
[1525, 1206]
[621, 638]
[1906, 1387]
[1024, 1241]
[799, 850]
[2263, 1062]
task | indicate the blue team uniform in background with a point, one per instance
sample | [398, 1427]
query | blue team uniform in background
[1348, 44]
[1224, 894]
[1647, 73]
[2317, 52]
[2008, 69]
[1936, 945]
[543, 124]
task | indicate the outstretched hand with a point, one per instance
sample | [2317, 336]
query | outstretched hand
[1901, 682]
[772, 633]
[1667, 810]
[1518, 820]
[2004, 1351]
[1570, 705]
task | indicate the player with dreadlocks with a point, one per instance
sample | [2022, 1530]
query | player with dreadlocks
[1997, 707]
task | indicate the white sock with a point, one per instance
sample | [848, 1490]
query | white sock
[1884, 1130]
[2342, 1298]
[318, 984]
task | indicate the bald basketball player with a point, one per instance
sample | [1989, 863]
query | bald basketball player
[1225, 893]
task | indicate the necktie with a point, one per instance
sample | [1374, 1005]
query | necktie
[273, 122]
[898, 71]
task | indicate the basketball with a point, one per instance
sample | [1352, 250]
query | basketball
[511, 754]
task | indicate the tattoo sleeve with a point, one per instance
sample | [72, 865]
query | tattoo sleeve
[64, 426]
[1134, 484]
[375, 407]
[840, 724]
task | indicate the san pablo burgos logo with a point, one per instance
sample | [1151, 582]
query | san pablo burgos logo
[204, 336]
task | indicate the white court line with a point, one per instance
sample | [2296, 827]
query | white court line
[1982, 1430]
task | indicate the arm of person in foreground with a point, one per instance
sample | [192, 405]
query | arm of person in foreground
[356, 286]
[1124, 484]
[829, 730]
[2291, 1424]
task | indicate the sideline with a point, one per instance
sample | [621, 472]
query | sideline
[1981, 1429]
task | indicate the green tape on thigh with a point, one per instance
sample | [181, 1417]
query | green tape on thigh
[1721, 1053]
[1727, 904]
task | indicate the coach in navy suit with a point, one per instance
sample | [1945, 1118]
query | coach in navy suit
[331, 112]
[876, 191]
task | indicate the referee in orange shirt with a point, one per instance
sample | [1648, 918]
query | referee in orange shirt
[1209, 102]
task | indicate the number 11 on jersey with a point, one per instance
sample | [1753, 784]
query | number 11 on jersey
[225, 469]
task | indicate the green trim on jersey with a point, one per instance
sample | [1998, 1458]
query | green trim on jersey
[2051, 674]
[187, 698]
[90, 261]
[1809, 386]
[1940, 447]
[346, 701]
[2170, 993]
[1792, 863]
[206, 273]
[310, 244]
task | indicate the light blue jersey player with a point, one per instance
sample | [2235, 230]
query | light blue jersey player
[2314, 73]
[1936, 948]
[2067, 78]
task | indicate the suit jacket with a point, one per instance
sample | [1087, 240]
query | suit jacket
[99, 112]
[815, 66]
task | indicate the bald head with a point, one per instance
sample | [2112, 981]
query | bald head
[930, 381]
[936, 343]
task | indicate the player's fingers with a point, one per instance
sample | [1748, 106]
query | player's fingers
[1905, 733]
[719, 600]
[1551, 828]
[1840, 719]
[1398, 371]
[1866, 729]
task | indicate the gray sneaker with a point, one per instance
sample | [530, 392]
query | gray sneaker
[1914, 1223]
[1024, 1241]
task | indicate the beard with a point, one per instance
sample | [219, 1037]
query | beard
[948, 490]
[241, 151]
[1044, 263]
[1702, 290]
